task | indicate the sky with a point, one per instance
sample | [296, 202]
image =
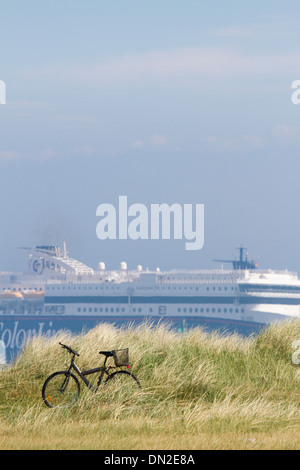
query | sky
[166, 101]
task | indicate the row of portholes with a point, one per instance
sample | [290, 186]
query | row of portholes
[139, 310]
[210, 310]
[100, 310]
[108, 310]
[83, 288]
[225, 288]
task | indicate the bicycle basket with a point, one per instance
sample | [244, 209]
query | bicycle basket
[121, 357]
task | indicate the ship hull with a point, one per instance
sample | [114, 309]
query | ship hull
[16, 331]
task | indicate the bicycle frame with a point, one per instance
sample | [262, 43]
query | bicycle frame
[82, 374]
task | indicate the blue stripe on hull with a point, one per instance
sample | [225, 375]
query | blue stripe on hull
[170, 300]
[15, 330]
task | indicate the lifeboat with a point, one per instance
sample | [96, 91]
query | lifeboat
[32, 294]
[11, 295]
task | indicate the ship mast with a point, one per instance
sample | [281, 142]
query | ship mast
[243, 262]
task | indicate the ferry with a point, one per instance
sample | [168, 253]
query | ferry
[59, 293]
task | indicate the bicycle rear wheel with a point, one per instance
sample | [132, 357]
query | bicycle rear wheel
[122, 384]
[60, 390]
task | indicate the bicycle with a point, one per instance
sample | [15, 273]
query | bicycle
[62, 388]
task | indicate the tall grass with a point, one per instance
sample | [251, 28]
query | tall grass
[198, 389]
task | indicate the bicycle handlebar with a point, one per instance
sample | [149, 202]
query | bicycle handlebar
[70, 350]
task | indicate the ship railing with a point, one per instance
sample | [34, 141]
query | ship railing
[230, 271]
[112, 278]
[24, 284]
[197, 281]
[200, 271]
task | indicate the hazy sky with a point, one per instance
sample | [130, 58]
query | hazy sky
[163, 101]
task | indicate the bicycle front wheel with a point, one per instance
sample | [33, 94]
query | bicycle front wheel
[60, 390]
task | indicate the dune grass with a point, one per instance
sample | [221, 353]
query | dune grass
[200, 391]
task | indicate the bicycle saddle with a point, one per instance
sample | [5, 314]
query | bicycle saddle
[106, 353]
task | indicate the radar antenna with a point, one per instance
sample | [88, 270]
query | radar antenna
[243, 262]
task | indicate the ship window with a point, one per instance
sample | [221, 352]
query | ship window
[243, 310]
[95, 310]
[225, 288]
[84, 309]
[150, 309]
[101, 309]
[207, 288]
[236, 310]
[184, 310]
[196, 310]
[111, 309]
[225, 310]
[123, 309]
[139, 310]
[219, 310]
[201, 310]
[207, 310]
[79, 309]
[106, 309]
[213, 310]
[90, 309]
[117, 309]
[133, 309]
[230, 310]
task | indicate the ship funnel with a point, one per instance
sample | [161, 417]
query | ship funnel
[101, 266]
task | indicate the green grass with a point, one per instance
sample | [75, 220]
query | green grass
[200, 390]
